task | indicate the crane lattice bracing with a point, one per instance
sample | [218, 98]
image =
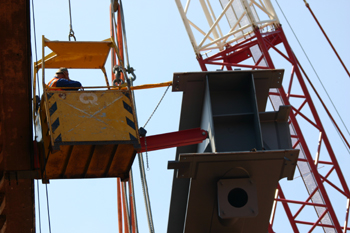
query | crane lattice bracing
[242, 34]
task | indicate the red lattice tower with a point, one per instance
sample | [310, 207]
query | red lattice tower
[252, 32]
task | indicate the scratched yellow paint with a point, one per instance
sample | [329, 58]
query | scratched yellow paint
[91, 116]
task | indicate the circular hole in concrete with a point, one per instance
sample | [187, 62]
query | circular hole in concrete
[237, 197]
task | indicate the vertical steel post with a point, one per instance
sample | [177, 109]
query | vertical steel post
[119, 204]
[16, 131]
[120, 41]
[113, 54]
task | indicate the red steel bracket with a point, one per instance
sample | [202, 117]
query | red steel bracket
[173, 139]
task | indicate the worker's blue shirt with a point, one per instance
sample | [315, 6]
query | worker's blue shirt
[67, 83]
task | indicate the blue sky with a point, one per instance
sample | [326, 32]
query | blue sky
[159, 46]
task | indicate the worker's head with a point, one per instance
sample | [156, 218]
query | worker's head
[63, 73]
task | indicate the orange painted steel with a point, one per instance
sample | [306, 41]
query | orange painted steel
[120, 41]
[119, 203]
[122, 206]
[131, 203]
[113, 54]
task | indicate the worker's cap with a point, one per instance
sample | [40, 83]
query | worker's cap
[62, 70]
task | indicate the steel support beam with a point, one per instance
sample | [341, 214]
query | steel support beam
[330, 222]
[174, 139]
[16, 137]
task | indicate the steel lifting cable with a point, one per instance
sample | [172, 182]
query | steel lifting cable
[132, 202]
[128, 68]
[329, 41]
[47, 193]
[36, 60]
[127, 222]
[141, 162]
[339, 131]
[144, 182]
[145, 189]
[124, 35]
[149, 120]
[71, 32]
[146, 193]
[117, 48]
[143, 174]
[47, 205]
[37, 186]
[144, 186]
[346, 143]
[36, 50]
[157, 106]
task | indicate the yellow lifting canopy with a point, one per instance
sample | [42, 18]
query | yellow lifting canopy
[84, 134]
[77, 54]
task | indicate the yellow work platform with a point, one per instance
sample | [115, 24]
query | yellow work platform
[90, 116]
[84, 134]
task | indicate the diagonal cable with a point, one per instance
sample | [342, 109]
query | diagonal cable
[314, 70]
[157, 106]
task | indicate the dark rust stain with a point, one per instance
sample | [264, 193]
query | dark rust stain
[17, 213]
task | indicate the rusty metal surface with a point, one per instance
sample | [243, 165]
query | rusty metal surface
[83, 161]
[89, 161]
[16, 196]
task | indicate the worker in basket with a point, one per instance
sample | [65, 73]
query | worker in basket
[62, 80]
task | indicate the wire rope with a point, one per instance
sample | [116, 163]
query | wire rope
[127, 219]
[140, 158]
[339, 134]
[124, 35]
[113, 22]
[142, 174]
[37, 186]
[145, 193]
[147, 162]
[36, 60]
[128, 68]
[314, 70]
[144, 181]
[71, 32]
[157, 106]
[345, 142]
[132, 190]
[36, 50]
[47, 206]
